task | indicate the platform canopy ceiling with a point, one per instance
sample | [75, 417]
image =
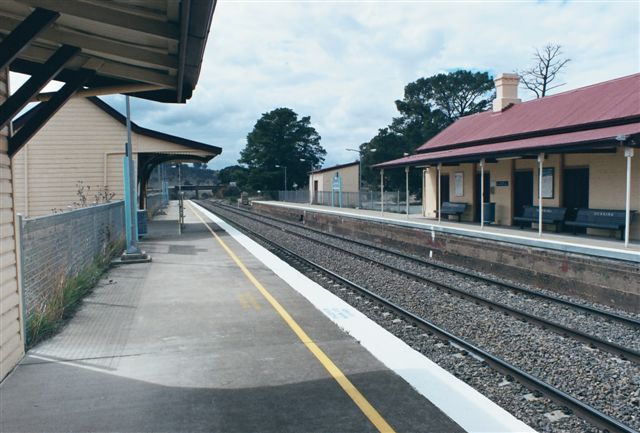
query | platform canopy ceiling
[151, 49]
[156, 45]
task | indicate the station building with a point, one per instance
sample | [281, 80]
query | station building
[338, 178]
[576, 147]
[84, 142]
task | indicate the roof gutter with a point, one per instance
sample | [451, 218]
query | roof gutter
[550, 149]
[185, 15]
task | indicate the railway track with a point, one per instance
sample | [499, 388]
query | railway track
[591, 340]
[575, 405]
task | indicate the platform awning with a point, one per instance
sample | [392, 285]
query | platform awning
[147, 49]
[155, 45]
[586, 141]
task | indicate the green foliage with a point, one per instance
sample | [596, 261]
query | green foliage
[191, 175]
[279, 138]
[429, 105]
[234, 173]
[66, 296]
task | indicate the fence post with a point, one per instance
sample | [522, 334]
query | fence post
[20, 266]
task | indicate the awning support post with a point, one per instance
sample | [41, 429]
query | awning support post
[406, 181]
[132, 252]
[482, 194]
[382, 191]
[439, 193]
[628, 153]
[540, 161]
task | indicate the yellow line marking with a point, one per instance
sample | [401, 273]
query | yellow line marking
[367, 409]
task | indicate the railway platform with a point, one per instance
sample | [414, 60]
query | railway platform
[217, 334]
[594, 246]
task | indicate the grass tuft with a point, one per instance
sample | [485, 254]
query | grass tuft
[65, 298]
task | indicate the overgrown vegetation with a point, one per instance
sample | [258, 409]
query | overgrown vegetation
[65, 298]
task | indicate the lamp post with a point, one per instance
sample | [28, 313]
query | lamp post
[360, 152]
[309, 180]
[285, 179]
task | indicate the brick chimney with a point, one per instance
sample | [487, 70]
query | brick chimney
[506, 91]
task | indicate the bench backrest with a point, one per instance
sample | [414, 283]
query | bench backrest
[548, 213]
[449, 207]
[600, 216]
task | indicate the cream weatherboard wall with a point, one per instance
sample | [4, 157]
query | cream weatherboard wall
[11, 338]
[348, 174]
[81, 143]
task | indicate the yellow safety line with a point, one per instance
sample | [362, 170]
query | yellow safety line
[367, 409]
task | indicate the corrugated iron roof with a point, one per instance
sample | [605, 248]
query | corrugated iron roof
[518, 147]
[335, 167]
[591, 105]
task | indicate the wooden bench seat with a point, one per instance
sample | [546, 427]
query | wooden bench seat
[550, 215]
[608, 219]
[451, 208]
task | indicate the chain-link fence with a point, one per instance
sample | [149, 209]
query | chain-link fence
[393, 201]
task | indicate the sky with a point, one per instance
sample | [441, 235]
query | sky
[344, 63]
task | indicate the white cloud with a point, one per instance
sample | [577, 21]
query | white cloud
[344, 63]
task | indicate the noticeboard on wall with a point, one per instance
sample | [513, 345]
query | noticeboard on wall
[336, 182]
[458, 178]
[547, 182]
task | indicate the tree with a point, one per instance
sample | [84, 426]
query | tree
[548, 63]
[440, 100]
[429, 105]
[279, 138]
[388, 145]
[233, 173]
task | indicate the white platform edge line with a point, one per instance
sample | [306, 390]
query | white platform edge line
[467, 407]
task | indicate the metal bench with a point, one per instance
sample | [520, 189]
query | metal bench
[609, 219]
[550, 215]
[449, 208]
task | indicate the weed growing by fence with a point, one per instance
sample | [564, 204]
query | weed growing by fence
[63, 301]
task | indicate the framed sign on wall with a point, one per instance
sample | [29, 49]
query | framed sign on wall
[459, 183]
[547, 182]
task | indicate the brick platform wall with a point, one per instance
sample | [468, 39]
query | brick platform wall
[55, 246]
[608, 281]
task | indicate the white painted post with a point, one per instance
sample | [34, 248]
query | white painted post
[406, 181]
[540, 160]
[439, 194]
[482, 194]
[382, 191]
[628, 153]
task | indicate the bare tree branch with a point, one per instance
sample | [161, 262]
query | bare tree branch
[548, 63]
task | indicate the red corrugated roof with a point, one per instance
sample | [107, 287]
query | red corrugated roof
[614, 99]
[517, 146]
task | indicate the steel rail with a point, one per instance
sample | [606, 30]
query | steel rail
[614, 348]
[510, 286]
[585, 411]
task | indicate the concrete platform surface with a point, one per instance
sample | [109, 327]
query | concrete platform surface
[187, 343]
